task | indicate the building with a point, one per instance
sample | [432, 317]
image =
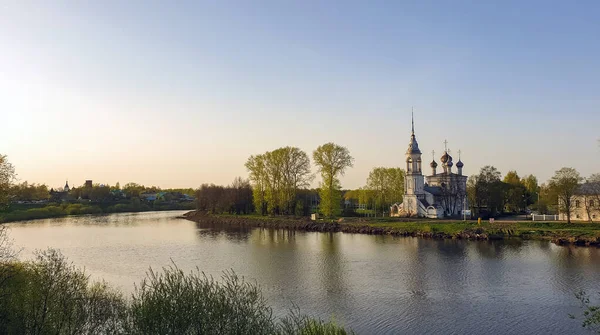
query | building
[435, 196]
[60, 194]
[585, 204]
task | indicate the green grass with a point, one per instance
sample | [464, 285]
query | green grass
[64, 209]
[522, 229]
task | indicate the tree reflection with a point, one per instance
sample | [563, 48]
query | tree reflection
[216, 230]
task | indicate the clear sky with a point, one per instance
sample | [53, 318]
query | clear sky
[177, 93]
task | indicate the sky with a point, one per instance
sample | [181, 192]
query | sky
[176, 94]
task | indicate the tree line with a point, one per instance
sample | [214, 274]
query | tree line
[233, 199]
[279, 176]
[491, 195]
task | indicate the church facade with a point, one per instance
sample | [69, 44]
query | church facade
[441, 194]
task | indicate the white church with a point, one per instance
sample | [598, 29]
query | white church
[438, 195]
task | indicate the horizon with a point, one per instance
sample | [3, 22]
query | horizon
[177, 96]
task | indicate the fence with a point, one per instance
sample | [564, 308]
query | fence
[544, 217]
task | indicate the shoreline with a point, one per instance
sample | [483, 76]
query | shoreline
[443, 229]
[64, 215]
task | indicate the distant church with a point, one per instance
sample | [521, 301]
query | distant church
[440, 195]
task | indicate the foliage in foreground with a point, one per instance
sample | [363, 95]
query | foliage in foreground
[591, 313]
[51, 296]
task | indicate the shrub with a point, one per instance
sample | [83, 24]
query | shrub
[51, 296]
[591, 313]
[298, 324]
[176, 303]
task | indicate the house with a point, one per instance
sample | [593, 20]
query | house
[585, 205]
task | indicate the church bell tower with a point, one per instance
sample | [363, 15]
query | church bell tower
[414, 180]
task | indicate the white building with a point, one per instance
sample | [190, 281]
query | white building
[435, 196]
[585, 204]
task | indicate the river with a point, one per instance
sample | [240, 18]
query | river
[373, 284]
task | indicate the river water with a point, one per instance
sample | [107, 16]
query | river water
[374, 284]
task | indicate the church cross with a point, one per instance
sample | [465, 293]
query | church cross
[433, 154]
[446, 145]
[458, 154]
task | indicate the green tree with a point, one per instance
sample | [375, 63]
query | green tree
[7, 176]
[532, 188]
[133, 190]
[331, 160]
[366, 197]
[29, 192]
[486, 190]
[276, 177]
[258, 177]
[387, 184]
[562, 186]
[515, 192]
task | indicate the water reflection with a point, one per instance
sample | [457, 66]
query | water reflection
[375, 284]
[229, 232]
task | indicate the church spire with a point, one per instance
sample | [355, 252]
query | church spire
[413, 146]
[412, 118]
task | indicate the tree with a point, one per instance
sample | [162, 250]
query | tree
[515, 195]
[532, 188]
[7, 176]
[276, 177]
[486, 190]
[29, 192]
[332, 160]
[387, 184]
[563, 185]
[133, 190]
[366, 197]
[258, 177]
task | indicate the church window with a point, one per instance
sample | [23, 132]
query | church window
[577, 204]
[591, 203]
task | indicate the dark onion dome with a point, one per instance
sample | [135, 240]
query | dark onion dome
[433, 164]
[449, 163]
[445, 157]
[459, 164]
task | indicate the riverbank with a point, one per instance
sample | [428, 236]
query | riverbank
[68, 209]
[583, 234]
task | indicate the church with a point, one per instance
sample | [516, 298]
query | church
[438, 195]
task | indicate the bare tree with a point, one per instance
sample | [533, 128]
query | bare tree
[7, 176]
[563, 187]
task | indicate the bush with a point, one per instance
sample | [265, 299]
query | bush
[591, 313]
[78, 209]
[176, 303]
[298, 324]
[35, 213]
[51, 296]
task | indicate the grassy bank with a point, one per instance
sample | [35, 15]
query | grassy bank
[558, 232]
[66, 209]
